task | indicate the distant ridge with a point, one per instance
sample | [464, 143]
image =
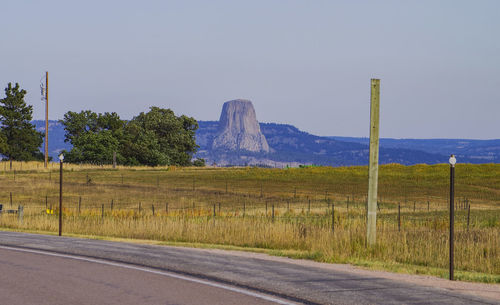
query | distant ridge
[56, 137]
[486, 150]
[292, 146]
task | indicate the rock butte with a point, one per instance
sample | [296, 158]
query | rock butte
[239, 129]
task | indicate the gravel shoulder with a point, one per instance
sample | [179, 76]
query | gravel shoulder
[491, 291]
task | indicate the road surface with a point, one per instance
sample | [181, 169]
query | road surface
[63, 270]
[34, 277]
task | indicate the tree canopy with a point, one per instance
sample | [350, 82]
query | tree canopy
[19, 139]
[94, 136]
[157, 137]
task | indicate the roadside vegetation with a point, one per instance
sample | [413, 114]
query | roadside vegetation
[154, 138]
[19, 140]
[278, 211]
[157, 137]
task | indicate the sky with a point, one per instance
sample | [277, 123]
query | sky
[305, 63]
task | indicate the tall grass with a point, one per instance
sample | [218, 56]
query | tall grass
[184, 201]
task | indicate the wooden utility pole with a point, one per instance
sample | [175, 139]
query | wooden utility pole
[371, 226]
[46, 160]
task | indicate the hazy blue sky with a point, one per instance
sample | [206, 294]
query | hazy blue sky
[306, 63]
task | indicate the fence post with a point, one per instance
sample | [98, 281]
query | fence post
[468, 215]
[333, 217]
[79, 205]
[166, 208]
[214, 210]
[102, 212]
[112, 203]
[399, 217]
[428, 207]
[272, 211]
[20, 212]
[219, 207]
[11, 199]
[414, 206]
[153, 209]
[139, 207]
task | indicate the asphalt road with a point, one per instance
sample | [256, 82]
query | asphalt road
[110, 273]
[41, 278]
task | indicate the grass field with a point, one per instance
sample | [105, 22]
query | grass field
[278, 211]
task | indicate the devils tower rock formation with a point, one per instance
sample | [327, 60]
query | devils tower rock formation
[239, 129]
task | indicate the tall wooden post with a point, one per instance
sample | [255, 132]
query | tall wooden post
[452, 214]
[60, 195]
[46, 160]
[371, 227]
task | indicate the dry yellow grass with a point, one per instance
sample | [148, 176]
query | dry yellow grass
[184, 200]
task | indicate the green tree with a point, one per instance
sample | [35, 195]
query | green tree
[3, 143]
[19, 139]
[199, 162]
[94, 136]
[159, 137]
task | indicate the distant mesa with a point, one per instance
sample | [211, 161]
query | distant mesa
[239, 129]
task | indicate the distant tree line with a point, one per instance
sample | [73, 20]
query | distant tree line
[157, 137]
